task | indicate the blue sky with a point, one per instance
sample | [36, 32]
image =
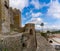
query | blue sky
[37, 11]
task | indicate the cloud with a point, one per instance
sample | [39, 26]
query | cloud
[36, 14]
[48, 27]
[20, 4]
[36, 4]
[35, 20]
[54, 9]
[53, 27]
[38, 26]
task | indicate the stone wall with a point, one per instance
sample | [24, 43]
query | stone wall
[0, 17]
[11, 42]
[30, 26]
[17, 42]
[4, 15]
[30, 42]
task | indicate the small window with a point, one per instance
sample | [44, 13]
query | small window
[1, 40]
[31, 32]
[6, 5]
[24, 45]
[3, 20]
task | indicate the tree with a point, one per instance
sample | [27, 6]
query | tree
[48, 31]
[42, 24]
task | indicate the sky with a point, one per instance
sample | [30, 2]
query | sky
[38, 11]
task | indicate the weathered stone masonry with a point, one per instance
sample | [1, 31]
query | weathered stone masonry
[4, 16]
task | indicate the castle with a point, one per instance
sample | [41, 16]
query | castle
[23, 38]
[10, 19]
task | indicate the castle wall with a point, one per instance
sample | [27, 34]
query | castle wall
[5, 19]
[0, 16]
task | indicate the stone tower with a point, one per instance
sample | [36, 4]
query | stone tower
[30, 27]
[4, 16]
[17, 17]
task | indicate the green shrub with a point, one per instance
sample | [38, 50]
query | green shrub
[44, 35]
[5, 49]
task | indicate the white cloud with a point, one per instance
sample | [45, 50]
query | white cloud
[36, 4]
[20, 4]
[35, 20]
[39, 26]
[36, 14]
[47, 26]
[54, 12]
[53, 26]
[54, 9]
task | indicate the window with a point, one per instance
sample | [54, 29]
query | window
[6, 5]
[24, 45]
[3, 20]
[31, 32]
